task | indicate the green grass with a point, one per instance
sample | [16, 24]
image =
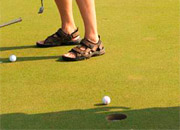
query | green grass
[140, 70]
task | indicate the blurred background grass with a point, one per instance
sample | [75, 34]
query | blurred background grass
[140, 69]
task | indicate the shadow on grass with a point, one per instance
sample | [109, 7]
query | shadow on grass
[99, 104]
[60, 59]
[17, 47]
[25, 47]
[21, 59]
[150, 118]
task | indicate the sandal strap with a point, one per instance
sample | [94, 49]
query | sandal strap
[78, 50]
[60, 35]
[75, 33]
[90, 47]
[89, 44]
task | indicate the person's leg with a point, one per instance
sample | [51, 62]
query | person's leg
[88, 13]
[67, 27]
[66, 14]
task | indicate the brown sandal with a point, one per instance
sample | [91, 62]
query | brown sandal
[91, 49]
[60, 38]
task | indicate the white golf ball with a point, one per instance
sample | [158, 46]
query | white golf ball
[12, 58]
[106, 100]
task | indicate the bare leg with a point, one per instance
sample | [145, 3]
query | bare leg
[88, 13]
[66, 14]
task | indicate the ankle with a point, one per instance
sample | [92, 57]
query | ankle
[69, 29]
[93, 38]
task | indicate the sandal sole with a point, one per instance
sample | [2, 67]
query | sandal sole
[63, 44]
[96, 53]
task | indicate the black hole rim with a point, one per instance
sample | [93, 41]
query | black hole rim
[116, 117]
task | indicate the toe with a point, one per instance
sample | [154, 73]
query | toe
[70, 55]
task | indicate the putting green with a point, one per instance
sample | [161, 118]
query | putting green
[140, 70]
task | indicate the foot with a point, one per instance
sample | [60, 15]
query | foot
[72, 55]
[85, 50]
[60, 38]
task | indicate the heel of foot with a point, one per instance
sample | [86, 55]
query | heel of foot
[76, 38]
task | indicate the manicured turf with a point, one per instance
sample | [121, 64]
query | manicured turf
[140, 70]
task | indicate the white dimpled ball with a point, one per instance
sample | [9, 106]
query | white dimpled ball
[106, 100]
[12, 58]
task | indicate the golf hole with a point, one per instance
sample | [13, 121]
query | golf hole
[116, 117]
